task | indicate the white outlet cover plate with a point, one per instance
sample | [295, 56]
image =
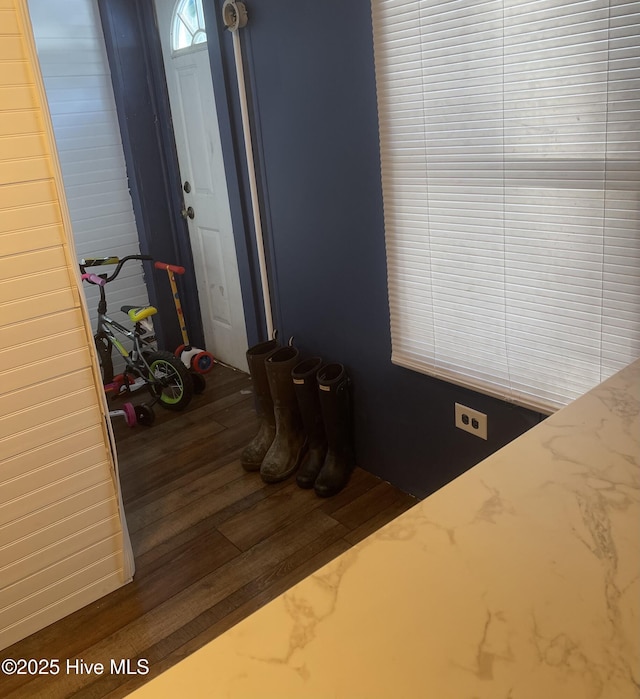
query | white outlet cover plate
[472, 414]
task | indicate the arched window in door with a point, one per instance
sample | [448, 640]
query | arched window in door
[187, 25]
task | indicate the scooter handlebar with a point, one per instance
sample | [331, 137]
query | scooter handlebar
[173, 268]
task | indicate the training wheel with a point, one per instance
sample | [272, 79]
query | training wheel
[129, 415]
[145, 414]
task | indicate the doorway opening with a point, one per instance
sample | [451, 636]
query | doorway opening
[183, 39]
[120, 160]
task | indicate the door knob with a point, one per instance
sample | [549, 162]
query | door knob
[188, 212]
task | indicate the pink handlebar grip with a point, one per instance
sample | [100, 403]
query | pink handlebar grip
[173, 268]
[94, 279]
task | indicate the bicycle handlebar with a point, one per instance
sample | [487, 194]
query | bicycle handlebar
[119, 262]
[172, 268]
[94, 279]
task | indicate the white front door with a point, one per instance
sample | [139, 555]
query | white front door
[197, 137]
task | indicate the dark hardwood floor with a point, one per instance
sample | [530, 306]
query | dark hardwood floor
[212, 544]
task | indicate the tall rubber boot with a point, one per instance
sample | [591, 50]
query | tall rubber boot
[255, 451]
[305, 385]
[335, 402]
[285, 454]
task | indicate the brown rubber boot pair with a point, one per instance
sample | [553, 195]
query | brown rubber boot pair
[278, 447]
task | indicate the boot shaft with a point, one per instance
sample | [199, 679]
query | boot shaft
[335, 403]
[278, 367]
[285, 454]
[305, 385]
[256, 358]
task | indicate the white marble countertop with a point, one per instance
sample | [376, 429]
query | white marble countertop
[518, 580]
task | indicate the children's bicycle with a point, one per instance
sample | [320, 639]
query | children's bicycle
[133, 414]
[165, 376]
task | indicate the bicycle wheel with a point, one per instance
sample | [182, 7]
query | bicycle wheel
[103, 347]
[170, 382]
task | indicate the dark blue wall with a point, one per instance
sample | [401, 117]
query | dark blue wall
[311, 74]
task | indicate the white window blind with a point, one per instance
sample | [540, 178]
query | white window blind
[510, 144]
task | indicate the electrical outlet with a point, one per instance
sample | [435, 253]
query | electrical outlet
[471, 420]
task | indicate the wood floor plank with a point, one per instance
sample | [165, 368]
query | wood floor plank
[168, 424]
[239, 412]
[362, 508]
[265, 517]
[168, 526]
[157, 460]
[151, 509]
[172, 464]
[360, 482]
[168, 437]
[158, 493]
[204, 525]
[200, 411]
[249, 527]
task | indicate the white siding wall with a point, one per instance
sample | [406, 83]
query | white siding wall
[63, 541]
[77, 80]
